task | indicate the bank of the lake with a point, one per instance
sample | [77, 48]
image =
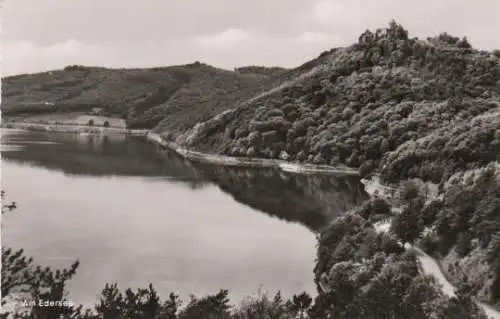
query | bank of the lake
[430, 265]
[183, 227]
[249, 162]
[186, 153]
[68, 128]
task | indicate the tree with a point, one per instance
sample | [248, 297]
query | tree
[276, 307]
[408, 226]
[90, 122]
[145, 303]
[106, 123]
[409, 191]
[464, 43]
[301, 303]
[210, 307]
[21, 279]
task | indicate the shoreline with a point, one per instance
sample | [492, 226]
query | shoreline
[190, 155]
[72, 128]
[490, 309]
[223, 160]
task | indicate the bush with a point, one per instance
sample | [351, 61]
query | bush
[409, 191]
[408, 225]
[464, 44]
[429, 244]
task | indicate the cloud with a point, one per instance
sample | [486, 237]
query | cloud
[326, 11]
[25, 56]
[318, 38]
[474, 19]
[227, 49]
[229, 37]
[47, 34]
[240, 48]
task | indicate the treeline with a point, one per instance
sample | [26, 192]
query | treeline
[431, 105]
[360, 273]
[466, 220]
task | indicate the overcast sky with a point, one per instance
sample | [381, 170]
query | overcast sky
[39, 35]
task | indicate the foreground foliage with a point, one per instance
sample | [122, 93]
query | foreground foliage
[355, 269]
[389, 104]
[364, 274]
[23, 281]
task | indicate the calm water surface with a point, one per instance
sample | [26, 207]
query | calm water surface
[133, 214]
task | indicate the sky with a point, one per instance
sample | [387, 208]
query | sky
[40, 35]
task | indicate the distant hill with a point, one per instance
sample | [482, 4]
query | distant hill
[389, 104]
[142, 96]
[273, 71]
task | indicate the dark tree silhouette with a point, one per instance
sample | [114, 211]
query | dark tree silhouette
[408, 225]
[23, 280]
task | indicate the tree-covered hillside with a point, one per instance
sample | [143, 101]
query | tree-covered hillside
[400, 107]
[390, 103]
[186, 94]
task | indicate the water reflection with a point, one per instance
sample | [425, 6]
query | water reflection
[312, 200]
[135, 214]
[93, 155]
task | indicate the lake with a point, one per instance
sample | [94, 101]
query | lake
[134, 214]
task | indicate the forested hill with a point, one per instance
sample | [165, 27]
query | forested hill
[389, 103]
[186, 94]
[402, 107]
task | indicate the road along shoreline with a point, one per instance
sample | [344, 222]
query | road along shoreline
[69, 128]
[249, 162]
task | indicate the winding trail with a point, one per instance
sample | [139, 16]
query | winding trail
[431, 266]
